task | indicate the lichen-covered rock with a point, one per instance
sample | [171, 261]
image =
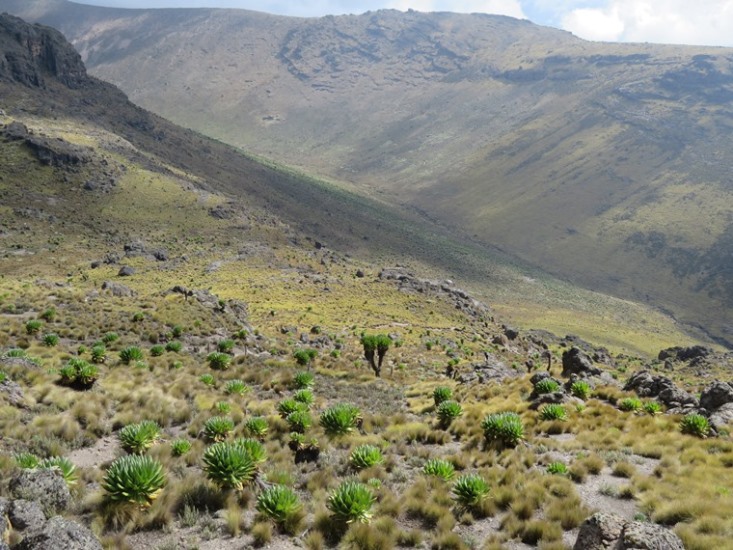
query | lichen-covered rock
[600, 532]
[649, 536]
[575, 361]
[4, 524]
[59, 533]
[716, 395]
[604, 531]
[25, 514]
[47, 487]
[118, 289]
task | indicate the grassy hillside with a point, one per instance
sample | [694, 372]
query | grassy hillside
[591, 161]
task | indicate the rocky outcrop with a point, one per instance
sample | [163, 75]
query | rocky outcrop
[646, 384]
[575, 361]
[604, 531]
[59, 533]
[47, 487]
[678, 353]
[716, 395]
[50, 151]
[25, 514]
[118, 289]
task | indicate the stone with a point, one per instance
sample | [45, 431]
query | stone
[575, 361]
[25, 514]
[126, 271]
[12, 391]
[117, 289]
[722, 417]
[684, 354]
[360, 273]
[511, 332]
[716, 395]
[604, 531]
[650, 536]
[4, 524]
[47, 487]
[59, 533]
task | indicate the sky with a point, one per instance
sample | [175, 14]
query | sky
[702, 22]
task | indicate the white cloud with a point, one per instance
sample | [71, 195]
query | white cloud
[512, 8]
[661, 21]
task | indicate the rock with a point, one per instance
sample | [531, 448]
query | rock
[95, 264]
[646, 384]
[539, 376]
[575, 361]
[360, 273]
[500, 340]
[134, 248]
[684, 354]
[111, 258]
[722, 417]
[59, 533]
[117, 289]
[4, 525]
[716, 395]
[25, 514]
[511, 332]
[12, 391]
[673, 396]
[47, 487]
[604, 531]
[160, 254]
[126, 271]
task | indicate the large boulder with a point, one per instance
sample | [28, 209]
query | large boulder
[646, 384]
[722, 417]
[604, 531]
[25, 514]
[575, 361]
[59, 533]
[684, 354]
[716, 395]
[47, 487]
[118, 289]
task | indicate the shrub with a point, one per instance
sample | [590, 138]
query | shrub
[27, 461]
[504, 428]
[136, 479]
[48, 315]
[236, 387]
[442, 393]
[299, 421]
[110, 337]
[218, 428]
[304, 356]
[257, 427]
[228, 465]
[63, 465]
[33, 326]
[695, 424]
[448, 411]
[546, 385]
[207, 379]
[630, 404]
[138, 317]
[365, 456]
[289, 406]
[99, 353]
[78, 373]
[340, 419]
[225, 346]
[304, 396]
[16, 352]
[303, 380]
[51, 340]
[218, 360]
[3, 377]
[177, 331]
[174, 346]
[351, 501]
[137, 438]
[131, 354]
[439, 468]
[557, 468]
[378, 343]
[253, 448]
[652, 407]
[223, 407]
[553, 411]
[180, 447]
[469, 490]
[580, 389]
[279, 503]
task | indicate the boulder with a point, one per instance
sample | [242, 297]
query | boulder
[4, 524]
[117, 289]
[59, 533]
[646, 384]
[604, 531]
[684, 354]
[126, 271]
[47, 487]
[25, 514]
[716, 395]
[12, 391]
[575, 361]
[722, 417]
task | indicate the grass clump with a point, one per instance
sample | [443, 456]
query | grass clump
[442, 393]
[504, 428]
[131, 354]
[207, 379]
[33, 326]
[257, 427]
[236, 387]
[630, 404]
[469, 490]
[218, 428]
[580, 389]
[351, 502]
[157, 350]
[695, 424]
[340, 419]
[439, 468]
[180, 447]
[557, 468]
[50, 340]
[110, 337]
[225, 346]
[135, 479]
[546, 385]
[652, 408]
[228, 465]
[303, 380]
[448, 411]
[279, 503]
[138, 438]
[553, 411]
[365, 456]
[99, 353]
[304, 396]
[174, 346]
[218, 360]
[299, 421]
[79, 374]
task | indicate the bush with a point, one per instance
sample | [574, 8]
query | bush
[174, 346]
[546, 385]
[469, 490]
[79, 374]
[33, 326]
[137, 438]
[225, 346]
[130, 354]
[177, 331]
[695, 424]
[27, 461]
[448, 411]
[135, 479]
[439, 468]
[222, 407]
[63, 465]
[289, 406]
[580, 389]
[228, 465]
[48, 315]
[218, 360]
[553, 411]
[157, 351]
[652, 407]
[557, 468]
[630, 404]
[442, 393]
[255, 449]
[99, 353]
[365, 456]
[279, 503]
[304, 356]
[299, 421]
[110, 337]
[236, 387]
[303, 380]
[351, 501]
[218, 428]
[304, 396]
[51, 340]
[207, 379]
[180, 447]
[340, 419]
[3, 377]
[504, 428]
[257, 427]
[138, 317]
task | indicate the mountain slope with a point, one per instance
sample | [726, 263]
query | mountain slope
[605, 164]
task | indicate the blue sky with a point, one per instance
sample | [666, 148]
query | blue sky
[704, 22]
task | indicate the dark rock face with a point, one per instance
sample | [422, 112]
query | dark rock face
[646, 384]
[575, 361]
[684, 354]
[51, 152]
[716, 395]
[607, 531]
[46, 487]
[59, 533]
